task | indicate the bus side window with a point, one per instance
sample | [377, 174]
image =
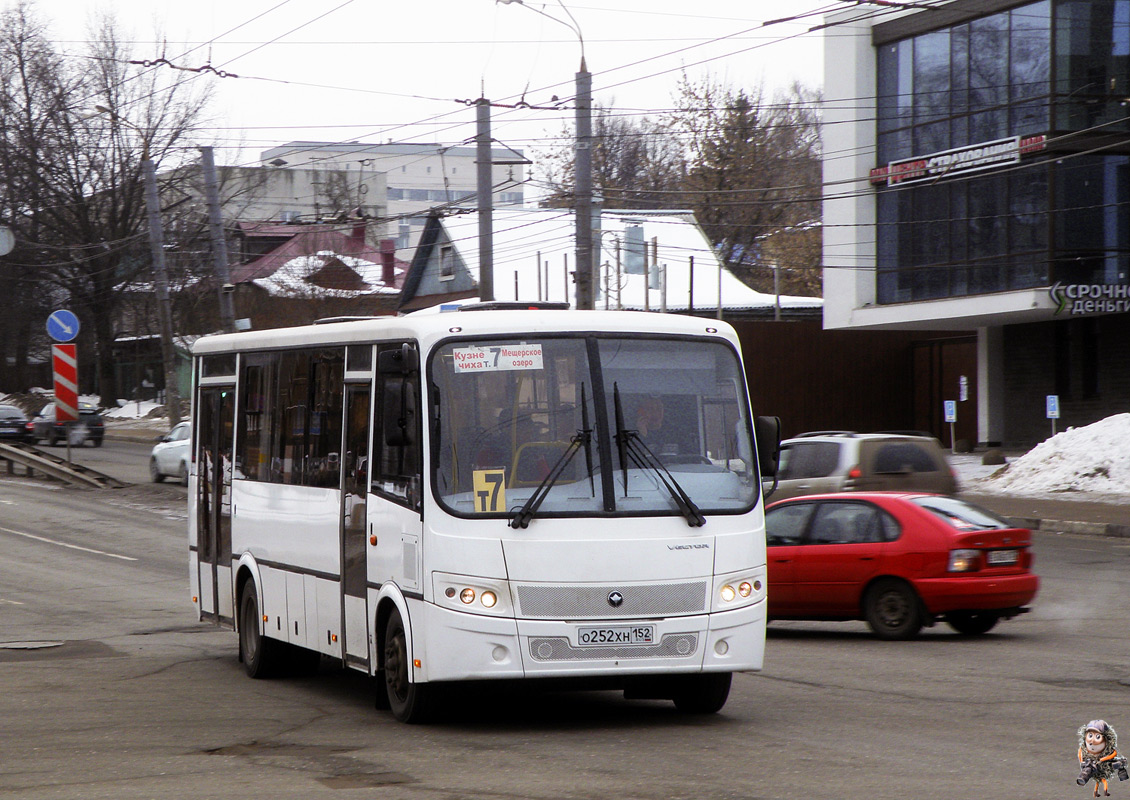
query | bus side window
[397, 450]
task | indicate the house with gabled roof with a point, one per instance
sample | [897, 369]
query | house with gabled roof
[318, 271]
[648, 261]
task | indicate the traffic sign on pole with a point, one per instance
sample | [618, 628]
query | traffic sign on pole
[64, 361]
[62, 325]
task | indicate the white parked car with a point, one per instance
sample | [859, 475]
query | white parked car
[171, 455]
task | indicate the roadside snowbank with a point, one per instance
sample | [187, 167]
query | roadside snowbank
[1094, 459]
[132, 409]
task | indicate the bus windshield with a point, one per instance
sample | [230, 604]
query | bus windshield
[599, 424]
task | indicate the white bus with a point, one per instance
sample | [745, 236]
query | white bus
[484, 494]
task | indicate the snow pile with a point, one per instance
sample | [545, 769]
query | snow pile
[132, 409]
[1094, 458]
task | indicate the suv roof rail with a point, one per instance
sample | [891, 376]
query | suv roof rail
[909, 433]
[824, 433]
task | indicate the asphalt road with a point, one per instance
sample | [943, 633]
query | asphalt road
[126, 460]
[111, 689]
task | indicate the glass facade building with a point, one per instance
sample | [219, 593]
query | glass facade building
[1053, 72]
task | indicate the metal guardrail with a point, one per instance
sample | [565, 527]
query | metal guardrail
[35, 460]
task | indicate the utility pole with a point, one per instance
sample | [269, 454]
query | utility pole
[484, 169]
[219, 243]
[585, 276]
[583, 168]
[161, 281]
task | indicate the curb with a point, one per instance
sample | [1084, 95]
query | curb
[1108, 529]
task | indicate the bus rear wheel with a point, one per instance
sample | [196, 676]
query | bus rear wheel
[409, 702]
[702, 694]
[260, 655]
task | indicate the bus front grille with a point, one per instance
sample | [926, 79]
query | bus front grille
[540, 601]
[557, 648]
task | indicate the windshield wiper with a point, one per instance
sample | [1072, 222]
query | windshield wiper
[629, 444]
[582, 438]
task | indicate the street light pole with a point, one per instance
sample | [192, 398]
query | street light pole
[161, 283]
[219, 243]
[582, 166]
[160, 273]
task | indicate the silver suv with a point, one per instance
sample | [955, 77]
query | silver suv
[842, 461]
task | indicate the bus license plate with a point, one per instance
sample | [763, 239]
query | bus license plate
[999, 557]
[616, 635]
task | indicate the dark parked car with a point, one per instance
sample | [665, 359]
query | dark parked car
[13, 424]
[44, 426]
[898, 561]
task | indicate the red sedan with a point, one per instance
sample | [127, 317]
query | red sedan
[898, 561]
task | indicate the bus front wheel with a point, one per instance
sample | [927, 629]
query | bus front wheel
[260, 655]
[409, 702]
[702, 694]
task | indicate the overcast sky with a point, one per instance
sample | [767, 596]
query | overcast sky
[377, 70]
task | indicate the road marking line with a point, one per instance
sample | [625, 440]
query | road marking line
[4, 602]
[65, 544]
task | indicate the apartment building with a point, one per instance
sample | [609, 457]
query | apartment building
[419, 177]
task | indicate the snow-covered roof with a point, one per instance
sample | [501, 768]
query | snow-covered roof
[521, 235]
[323, 262]
[301, 277]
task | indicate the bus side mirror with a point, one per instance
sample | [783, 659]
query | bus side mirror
[404, 361]
[767, 431]
[399, 413]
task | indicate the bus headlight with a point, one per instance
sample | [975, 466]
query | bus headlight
[738, 589]
[472, 595]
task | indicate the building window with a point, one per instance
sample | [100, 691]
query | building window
[446, 263]
[975, 236]
[1054, 217]
[1092, 42]
[975, 82]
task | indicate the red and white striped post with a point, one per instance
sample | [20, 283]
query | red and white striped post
[64, 360]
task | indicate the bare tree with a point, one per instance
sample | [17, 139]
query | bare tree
[636, 163]
[71, 178]
[747, 167]
[753, 176]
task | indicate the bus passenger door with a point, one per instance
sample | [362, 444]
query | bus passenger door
[215, 412]
[394, 515]
[354, 490]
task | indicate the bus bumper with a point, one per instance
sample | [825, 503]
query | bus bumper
[460, 646]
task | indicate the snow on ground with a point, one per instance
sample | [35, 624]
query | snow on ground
[1093, 459]
[131, 409]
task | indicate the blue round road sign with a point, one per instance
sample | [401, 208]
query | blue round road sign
[62, 325]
